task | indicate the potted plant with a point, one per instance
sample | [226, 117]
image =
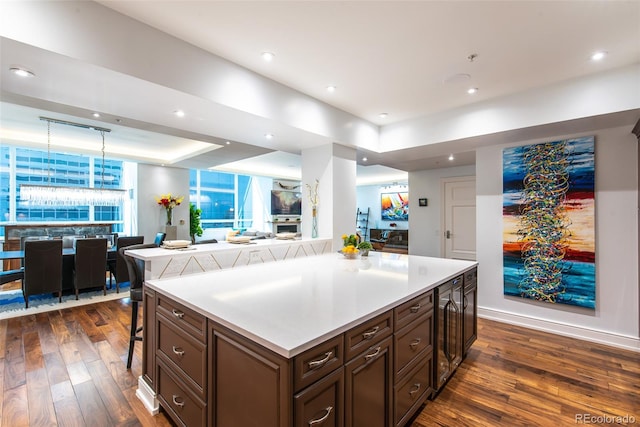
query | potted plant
[365, 247]
[194, 222]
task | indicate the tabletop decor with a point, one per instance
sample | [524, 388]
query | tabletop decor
[350, 246]
[364, 248]
[313, 198]
[169, 202]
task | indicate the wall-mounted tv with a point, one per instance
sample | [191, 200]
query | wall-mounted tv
[286, 203]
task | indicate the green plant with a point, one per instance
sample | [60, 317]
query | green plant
[364, 245]
[350, 240]
[194, 221]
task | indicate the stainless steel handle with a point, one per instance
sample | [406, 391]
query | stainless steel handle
[177, 313]
[416, 388]
[179, 403]
[178, 351]
[413, 344]
[323, 418]
[370, 356]
[314, 364]
[465, 302]
[370, 334]
[415, 308]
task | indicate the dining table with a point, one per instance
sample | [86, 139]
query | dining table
[68, 259]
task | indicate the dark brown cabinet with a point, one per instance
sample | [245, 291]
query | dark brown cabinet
[449, 347]
[470, 309]
[322, 404]
[368, 387]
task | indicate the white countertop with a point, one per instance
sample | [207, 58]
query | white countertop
[292, 305]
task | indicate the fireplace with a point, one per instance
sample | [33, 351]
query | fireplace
[284, 227]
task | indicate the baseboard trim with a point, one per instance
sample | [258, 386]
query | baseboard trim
[607, 338]
[148, 397]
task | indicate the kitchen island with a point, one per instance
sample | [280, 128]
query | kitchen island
[321, 339]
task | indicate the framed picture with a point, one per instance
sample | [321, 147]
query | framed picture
[395, 206]
[548, 210]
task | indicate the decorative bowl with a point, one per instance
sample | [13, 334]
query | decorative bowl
[350, 255]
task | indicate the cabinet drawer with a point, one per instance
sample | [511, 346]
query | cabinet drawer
[317, 362]
[188, 354]
[471, 277]
[362, 336]
[187, 319]
[184, 407]
[413, 390]
[321, 405]
[411, 342]
[412, 309]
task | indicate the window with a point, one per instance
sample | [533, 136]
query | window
[225, 198]
[30, 166]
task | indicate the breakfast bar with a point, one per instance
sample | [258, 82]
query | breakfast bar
[163, 262]
[293, 342]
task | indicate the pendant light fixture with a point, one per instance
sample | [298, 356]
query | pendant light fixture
[54, 195]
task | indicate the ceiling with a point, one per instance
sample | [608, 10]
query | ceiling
[406, 59]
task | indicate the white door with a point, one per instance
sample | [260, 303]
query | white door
[459, 218]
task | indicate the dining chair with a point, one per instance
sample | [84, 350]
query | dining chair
[69, 241]
[89, 264]
[9, 276]
[118, 268]
[159, 238]
[135, 268]
[42, 268]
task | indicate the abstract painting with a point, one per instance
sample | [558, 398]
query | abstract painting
[395, 206]
[548, 214]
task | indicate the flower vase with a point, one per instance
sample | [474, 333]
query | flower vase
[314, 222]
[169, 216]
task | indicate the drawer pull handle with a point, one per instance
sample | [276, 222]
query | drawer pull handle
[323, 418]
[415, 308]
[414, 389]
[370, 334]
[413, 344]
[314, 364]
[177, 313]
[179, 351]
[179, 403]
[368, 357]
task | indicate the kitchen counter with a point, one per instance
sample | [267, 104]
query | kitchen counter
[163, 263]
[290, 306]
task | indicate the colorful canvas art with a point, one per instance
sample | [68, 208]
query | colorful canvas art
[549, 222]
[395, 206]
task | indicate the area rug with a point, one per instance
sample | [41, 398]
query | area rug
[12, 302]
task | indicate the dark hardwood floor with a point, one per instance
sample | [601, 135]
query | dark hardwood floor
[67, 368]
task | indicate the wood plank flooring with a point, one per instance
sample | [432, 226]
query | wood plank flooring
[67, 368]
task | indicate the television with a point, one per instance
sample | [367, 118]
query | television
[286, 203]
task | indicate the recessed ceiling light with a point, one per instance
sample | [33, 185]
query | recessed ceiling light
[268, 56]
[472, 90]
[179, 113]
[597, 56]
[383, 115]
[364, 159]
[451, 158]
[268, 135]
[228, 142]
[22, 72]
[96, 115]
[331, 88]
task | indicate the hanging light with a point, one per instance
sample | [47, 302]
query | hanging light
[54, 195]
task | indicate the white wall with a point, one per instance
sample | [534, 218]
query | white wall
[615, 319]
[424, 222]
[154, 181]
